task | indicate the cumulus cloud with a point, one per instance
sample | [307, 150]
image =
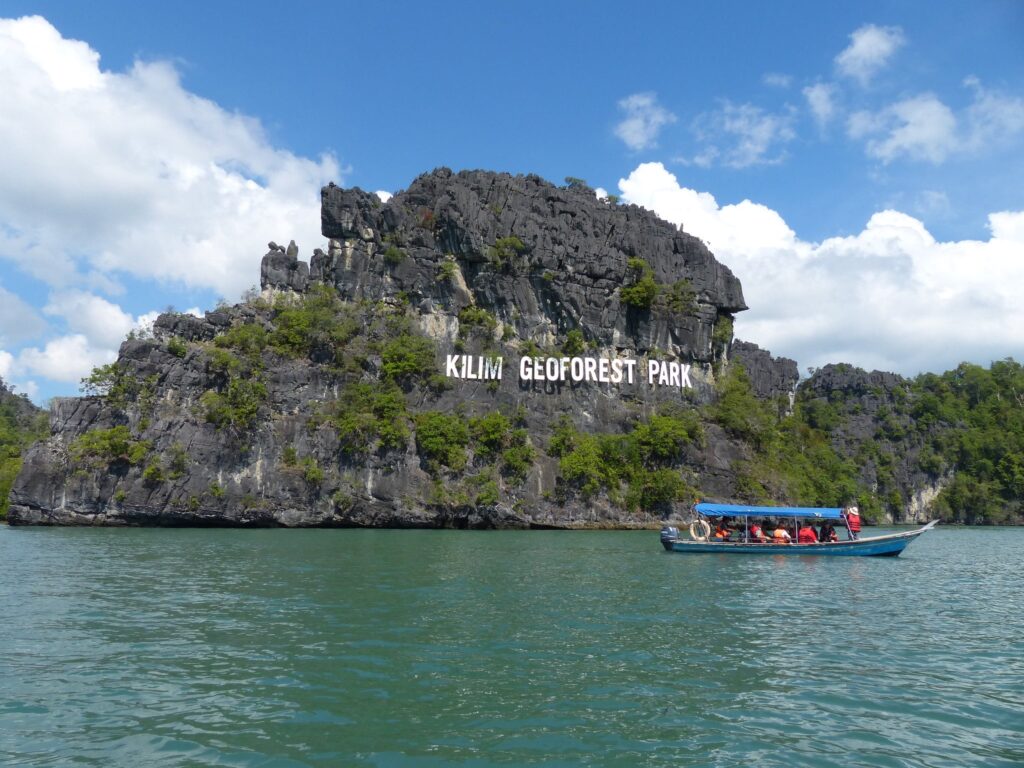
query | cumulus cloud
[66, 359]
[890, 297]
[384, 196]
[643, 121]
[103, 323]
[6, 362]
[870, 49]
[821, 101]
[923, 128]
[105, 173]
[919, 128]
[741, 135]
[18, 321]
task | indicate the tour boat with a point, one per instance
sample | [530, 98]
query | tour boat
[701, 540]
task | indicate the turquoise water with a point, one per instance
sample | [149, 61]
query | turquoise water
[431, 648]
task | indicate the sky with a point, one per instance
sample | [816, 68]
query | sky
[857, 166]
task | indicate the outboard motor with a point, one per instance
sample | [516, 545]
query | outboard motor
[669, 533]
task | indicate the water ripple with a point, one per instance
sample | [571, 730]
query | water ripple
[431, 648]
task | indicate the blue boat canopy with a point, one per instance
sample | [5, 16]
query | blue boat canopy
[742, 510]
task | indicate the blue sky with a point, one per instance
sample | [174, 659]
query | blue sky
[872, 141]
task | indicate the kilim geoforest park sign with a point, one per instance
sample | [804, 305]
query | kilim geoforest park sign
[602, 370]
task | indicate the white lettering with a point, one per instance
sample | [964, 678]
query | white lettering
[663, 374]
[673, 374]
[470, 373]
[602, 370]
[525, 372]
[590, 368]
[563, 363]
[652, 370]
[451, 366]
[576, 369]
[538, 369]
[630, 365]
[686, 376]
[492, 368]
[551, 368]
[616, 371]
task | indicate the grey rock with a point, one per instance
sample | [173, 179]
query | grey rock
[440, 246]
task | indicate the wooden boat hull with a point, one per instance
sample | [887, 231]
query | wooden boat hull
[889, 545]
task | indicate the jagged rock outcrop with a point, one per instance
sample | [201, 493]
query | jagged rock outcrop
[867, 419]
[770, 377]
[326, 400]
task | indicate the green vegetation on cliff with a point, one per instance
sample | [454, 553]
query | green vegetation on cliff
[21, 424]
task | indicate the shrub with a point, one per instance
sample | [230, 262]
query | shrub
[237, 405]
[179, 461]
[289, 456]
[574, 343]
[642, 292]
[153, 474]
[505, 253]
[442, 438]
[177, 346]
[491, 432]
[407, 356]
[393, 255]
[311, 471]
[446, 271]
[248, 338]
[476, 320]
[722, 335]
[365, 413]
[106, 446]
[517, 459]
[682, 298]
[318, 325]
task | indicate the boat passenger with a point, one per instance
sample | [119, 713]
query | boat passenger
[807, 535]
[722, 532]
[852, 515]
[827, 533]
[756, 533]
[781, 536]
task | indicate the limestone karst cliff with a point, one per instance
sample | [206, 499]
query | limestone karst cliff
[330, 399]
[486, 350]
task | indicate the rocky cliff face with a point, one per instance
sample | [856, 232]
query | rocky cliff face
[345, 394]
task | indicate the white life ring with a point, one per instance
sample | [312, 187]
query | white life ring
[703, 526]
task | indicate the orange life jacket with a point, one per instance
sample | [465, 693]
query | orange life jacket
[807, 536]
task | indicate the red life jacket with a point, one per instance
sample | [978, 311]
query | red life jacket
[807, 536]
[854, 520]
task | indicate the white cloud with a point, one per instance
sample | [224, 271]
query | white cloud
[777, 79]
[924, 128]
[869, 51]
[890, 297]
[65, 359]
[18, 321]
[992, 117]
[741, 135]
[920, 128]
[106, 172]
[103, 323]
[821, 101]
[643, 121]
[384, 196]
[6, 363]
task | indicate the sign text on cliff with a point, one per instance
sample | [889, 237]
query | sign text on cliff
[575, 369]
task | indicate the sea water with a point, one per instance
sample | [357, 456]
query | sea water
[188, 647]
